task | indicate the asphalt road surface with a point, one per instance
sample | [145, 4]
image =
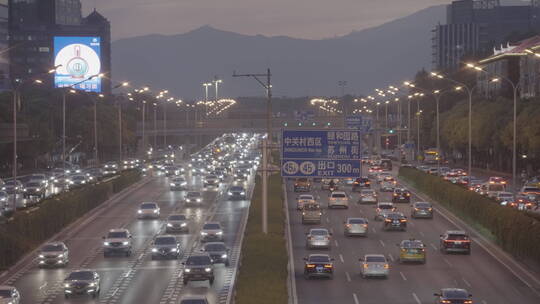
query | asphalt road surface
[481, 274]
[138, 279]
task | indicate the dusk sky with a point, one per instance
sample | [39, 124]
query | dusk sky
[312, 19]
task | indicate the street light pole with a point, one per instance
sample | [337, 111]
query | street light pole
[143, 128]
[155, 125]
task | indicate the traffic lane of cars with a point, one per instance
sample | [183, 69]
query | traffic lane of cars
[478, 272]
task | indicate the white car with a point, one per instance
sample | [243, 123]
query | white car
[382, 176]
[117, 241]
[211, 181]
[9, 294]
[212, 232]
[304, 199]
[505, 197]
[368, 196]
[388, 185]
[374, 265]
[148, 210]
[383, 208]
[338, 199]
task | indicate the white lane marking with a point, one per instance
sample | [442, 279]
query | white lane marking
[373, 229]
[127, 273]
[382, 243]
[335, 242]
[391, 257]
[341, 258]
[355, 299]
[43, 286]
[466, 282]
[348, 276]
[327, 220]
[416, 298]
[115, 291]
[447, 262]
[403, 276]
[422, 234]
[433, 246]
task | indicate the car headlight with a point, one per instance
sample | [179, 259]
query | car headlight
[219, 233]
[156, 211]
[139, 211]
[172, 184]
[223, 256]
[67, 285]
[208, 269]
[154, 249]
[183, 225]
[41, 256]
[92, 284]
[187, 270]
[199, 200]
[169, 225]
[173, 250]
[24, 190]
[106, 243]
[242, 193]
[204, 233]
[61, 255]
[183, 183]
[229, 193]
[125, 243]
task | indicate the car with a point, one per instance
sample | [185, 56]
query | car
[79, 179]
[387, 185]
[165, 246]
[319, 266]
[177, 223]
[198, 267]
[401, 195]
[240, 178]
[360, 183]
[117, 241]
[368, 196]
[356, 226]
[374, 265]
[497, 180]
[422, 210]
[110, 168]
[211, 181]
[82, 282]
[40, 178]
[94, 174]
[318, 238]
[34, 189]
[211, 231]
[311, 213]
[53, 254]
[62, 181]
[193, 197]
[504, 197]
[522, 203]
[454, 296]
[302, 184]
[219, 253]
[148, 210]
[303, 199]
[338, 199]
[381, 176]
[194, 300]
[395, 221]
[171, 171]
[452, 177]
[373, 171]
[9, 295]
[433, 171]
[13, 187]
[455, 241]
[412, 250]
[382, 209]
[237, 193]
[178, 184]
[325, 183]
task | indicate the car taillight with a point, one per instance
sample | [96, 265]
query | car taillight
[366, 266]
[403, 220]
[408, 194]
[364, 225]
[446, 301]
[348, 225]
[310, 265]
[468, 302]
[395, 194]
[388, 220]
[328, 266]
[386, 266]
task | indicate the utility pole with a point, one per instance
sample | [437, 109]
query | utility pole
[266, 142]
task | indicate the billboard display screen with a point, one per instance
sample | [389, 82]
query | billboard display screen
[77, 59]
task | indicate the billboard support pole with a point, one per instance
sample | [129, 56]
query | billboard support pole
[16, 100]
[96, 157]
[64, 131]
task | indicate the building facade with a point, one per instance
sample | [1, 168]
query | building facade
[474, 27]
[33, 24]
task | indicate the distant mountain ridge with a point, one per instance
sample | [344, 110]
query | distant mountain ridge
[366, 59]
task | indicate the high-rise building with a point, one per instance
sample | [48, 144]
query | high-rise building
[4, 45]
[33, 24]
[474, 27]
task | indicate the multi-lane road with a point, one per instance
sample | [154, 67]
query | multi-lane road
[138, 279]
[486, 278]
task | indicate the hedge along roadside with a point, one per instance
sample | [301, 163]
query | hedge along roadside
[513, 230]
[27, 230]
[262, 275]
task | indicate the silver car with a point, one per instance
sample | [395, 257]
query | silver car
[338, 199]
[211, 231]
[117, 241]
[193, 197]
[368, 196]
[422, 210]
[304, 199]
[356, 226]
[148, 210]
[383, 208]
[177, 223]
[318, 238]
[374, 265]
[53, 254]
[9, 294]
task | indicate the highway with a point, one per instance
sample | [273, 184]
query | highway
[481, 274]
[138, 279]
